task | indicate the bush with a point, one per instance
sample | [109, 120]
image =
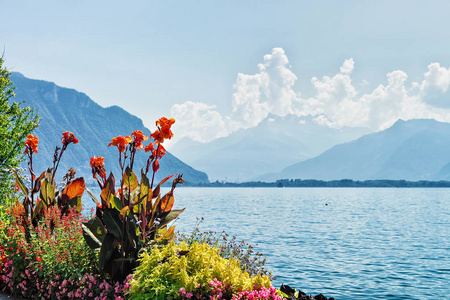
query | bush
[197, 269]
[250, 260]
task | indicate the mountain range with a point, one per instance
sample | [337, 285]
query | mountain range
[63, 109]
[274, 144]
[410, 150]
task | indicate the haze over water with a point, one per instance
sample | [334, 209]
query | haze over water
[365, 244]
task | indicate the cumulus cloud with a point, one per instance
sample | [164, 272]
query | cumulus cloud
[269, 91]
[335, 103]
[436, 82]
[198, 121]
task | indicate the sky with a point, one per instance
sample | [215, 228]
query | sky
[219, 66]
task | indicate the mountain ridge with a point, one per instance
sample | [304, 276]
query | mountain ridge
[412, 150]
[275, 143]
[64, 109]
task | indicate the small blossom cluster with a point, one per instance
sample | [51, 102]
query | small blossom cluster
[219, 290]
[29, 284]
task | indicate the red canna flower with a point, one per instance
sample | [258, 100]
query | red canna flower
[97, 161]
[161, 152]
[31, 144]
[138, 139]
[68, 137]
[121, 142]
[165, 125]
[97, 165]
[157, 136]
[149, 147]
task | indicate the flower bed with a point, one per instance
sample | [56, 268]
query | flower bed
[126, 250]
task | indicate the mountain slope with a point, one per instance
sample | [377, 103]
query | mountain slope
[63, 109]
[411, 150]
[272, 145]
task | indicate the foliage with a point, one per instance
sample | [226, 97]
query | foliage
[45, 188]
[250, 260]
[136, 215]
[164, 271]
[15, 124]
[55, 256]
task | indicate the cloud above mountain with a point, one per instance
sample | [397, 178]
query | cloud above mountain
[337, 102]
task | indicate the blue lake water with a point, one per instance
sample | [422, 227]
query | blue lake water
[365, 244]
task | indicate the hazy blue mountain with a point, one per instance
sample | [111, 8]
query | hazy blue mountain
[272, 145]
[63, 109]
[411, 150]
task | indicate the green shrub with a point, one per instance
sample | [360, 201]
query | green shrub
[164, 271]
[250, 260]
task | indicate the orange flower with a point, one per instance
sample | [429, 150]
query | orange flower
[97, 161]
[165, 125]
[161, 152]
[121, 142]
[149, 147]
[156, 135]
[138, 139]
[68, 137]
[31, 144]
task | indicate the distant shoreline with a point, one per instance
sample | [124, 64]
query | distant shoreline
[343, 183]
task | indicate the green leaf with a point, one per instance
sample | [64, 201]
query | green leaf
[106, 251]
[116, 203]
[20, 183]
[93, 242]
[111, 218]
[96, 227]
[131, 233]
[75, 202]
[130, 179]
[171, 216]
[108, 191]
[47, 192]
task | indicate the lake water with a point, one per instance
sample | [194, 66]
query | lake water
[345, 243]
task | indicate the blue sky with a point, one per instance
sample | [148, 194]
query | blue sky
[218, 66]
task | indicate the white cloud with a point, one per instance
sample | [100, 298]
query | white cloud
[436, 82]
[347, 66]
[198, 121]
[336, 102]
[269, 91]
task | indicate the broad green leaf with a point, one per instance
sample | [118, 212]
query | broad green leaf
[131, 233]
[20, 183]
[130, 179]
[76, 202]
[48, 175]
[96, 227]
[38, 210]
[47, 192]
[171, 216]
[93, 242]
[134, 196]
[112, 222]
[108, 191]
[116, 203]
[146, 193]
[158, 199]
[106, 251]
